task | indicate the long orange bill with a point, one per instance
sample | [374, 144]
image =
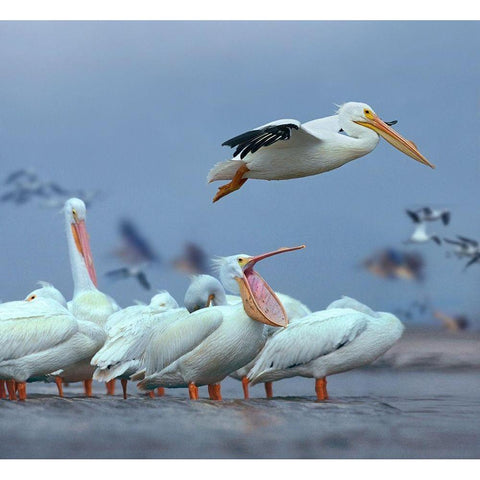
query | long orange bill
[376, 124]
[79, 231]
[259, 300]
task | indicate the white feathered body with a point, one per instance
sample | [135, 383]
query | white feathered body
[327, 342]
[129, 332]
[295, 309]
[39, 337]
[314, 148]
[203, 348]
[91, 306]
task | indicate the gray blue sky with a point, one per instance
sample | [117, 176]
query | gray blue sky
[139, 110]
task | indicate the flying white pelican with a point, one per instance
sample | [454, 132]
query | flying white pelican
[205, 290]
[427, 214]
[420, 235]
[287, 149]
[88, 302]
[39, 336]
[128, 333]
[346, 335]
[211, 343]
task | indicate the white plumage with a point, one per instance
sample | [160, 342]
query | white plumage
[205, 290]
[128, 334]
[88, 303]
[420, 235]
[210, 343]
[39, 336]
[346, 335]
[286, 149]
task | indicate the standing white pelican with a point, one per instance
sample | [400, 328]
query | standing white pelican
[211, 343]
[420, 235]
[287, 149]
[39, 335]
[346, 335]
[205, 290]
[128, 333]
[88, 302]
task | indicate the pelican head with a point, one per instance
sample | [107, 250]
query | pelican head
[259, 300]
[75, 216]
[47, 291]
[364, 115]
[203, 291]
[163, 301]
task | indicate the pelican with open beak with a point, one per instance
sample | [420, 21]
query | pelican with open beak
[202, 348]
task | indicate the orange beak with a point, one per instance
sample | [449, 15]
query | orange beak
[376, 124]
[80, 235]
[259, 300]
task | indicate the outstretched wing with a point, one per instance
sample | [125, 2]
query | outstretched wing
[118, 274]
[315, 336]
[475, 259]
[413, 216]
[468, 240]
[454, 242]
[251, 141]
[142, 278]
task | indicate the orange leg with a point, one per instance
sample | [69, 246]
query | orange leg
[22, 390]
[124, 382]
[12, 395]
[193, 391]
[321, 388]
[87, 385]
[236, 182]
[151, 394]
[59, 382]
[214, 391]
[245, 388]
[160, 391]
[3, 393]
[110, 387]
[268, 389]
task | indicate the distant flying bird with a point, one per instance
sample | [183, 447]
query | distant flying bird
[395, 264]
[286, 149]
[127, 272]
[21, 175]
[135, 250]
[26, 185]
[427, 214]
[420, 235]
[453, 323]
[465, 247]
[194, 260]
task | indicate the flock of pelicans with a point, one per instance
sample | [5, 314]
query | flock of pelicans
[256, 335]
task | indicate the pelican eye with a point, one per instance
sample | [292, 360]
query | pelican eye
[31, 297]
[368, 113]
[240, 261]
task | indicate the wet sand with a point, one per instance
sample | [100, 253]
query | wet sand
[377, 412]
